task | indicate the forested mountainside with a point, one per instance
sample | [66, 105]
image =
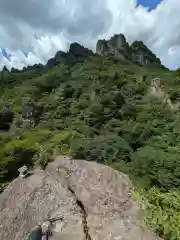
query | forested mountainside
[119, 107]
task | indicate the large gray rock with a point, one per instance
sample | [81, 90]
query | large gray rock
[94, 200]
[142, 55]
[116, 46]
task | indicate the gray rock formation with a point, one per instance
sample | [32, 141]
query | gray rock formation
[142, 55]
[156, 90]
[22, 171]
[94, 200]
[117, 46]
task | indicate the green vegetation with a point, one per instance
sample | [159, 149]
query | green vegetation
[98, 109]
[161, 211]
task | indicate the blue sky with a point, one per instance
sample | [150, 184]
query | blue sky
[151, 4]
[5, 54]
[29, 37]
[8, 55]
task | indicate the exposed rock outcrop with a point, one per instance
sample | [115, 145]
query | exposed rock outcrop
[156, 90]
[117, 46]
[141, 54]
[93, 200]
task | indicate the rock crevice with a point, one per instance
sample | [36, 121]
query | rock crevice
[83, 214]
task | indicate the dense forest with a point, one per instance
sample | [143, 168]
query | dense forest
[99, 109]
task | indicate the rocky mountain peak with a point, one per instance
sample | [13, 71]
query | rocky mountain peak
[118, 40]
[142, 54]
[117, 46]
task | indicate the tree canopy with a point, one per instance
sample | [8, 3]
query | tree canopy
[98, 109]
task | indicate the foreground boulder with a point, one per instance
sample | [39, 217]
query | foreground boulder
[94, 202]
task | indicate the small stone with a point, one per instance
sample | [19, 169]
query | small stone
[23, 171]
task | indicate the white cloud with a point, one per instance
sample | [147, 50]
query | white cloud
[58, 22]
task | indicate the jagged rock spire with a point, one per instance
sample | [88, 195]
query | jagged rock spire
[117, 46]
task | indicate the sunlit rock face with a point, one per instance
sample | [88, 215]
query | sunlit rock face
[117, 46]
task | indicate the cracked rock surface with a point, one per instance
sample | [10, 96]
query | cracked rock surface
[94, 200]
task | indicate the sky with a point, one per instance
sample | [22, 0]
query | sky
[32, 31]
[150, 4]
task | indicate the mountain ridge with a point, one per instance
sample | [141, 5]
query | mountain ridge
[137, 52]
[104, 109]
[116, 46]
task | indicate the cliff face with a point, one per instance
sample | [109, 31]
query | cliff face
[142, 55]
[92, 201]
[117, 46]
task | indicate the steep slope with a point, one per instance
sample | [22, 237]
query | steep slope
[107, 109]
[93, 200]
